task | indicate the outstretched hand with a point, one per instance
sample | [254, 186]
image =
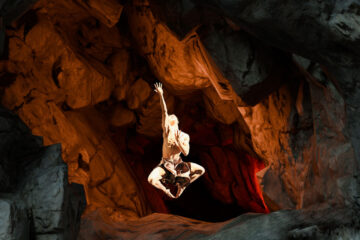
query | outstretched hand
[158, 88]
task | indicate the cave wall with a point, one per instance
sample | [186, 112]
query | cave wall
[78, 76]
[325, 34]
[36, 199]
[277, 86]
[77, 73]
[54, 75]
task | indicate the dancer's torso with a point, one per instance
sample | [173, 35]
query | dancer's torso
[169, 151]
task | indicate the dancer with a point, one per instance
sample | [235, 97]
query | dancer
[171, 169]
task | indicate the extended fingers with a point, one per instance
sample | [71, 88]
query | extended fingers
[158, 87]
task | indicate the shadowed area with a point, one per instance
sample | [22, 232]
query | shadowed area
[267, 92]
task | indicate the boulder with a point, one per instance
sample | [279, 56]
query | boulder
[120, 66]
[224, 111]
[14, 135]
[55, 206]
[55, 70]
[122, 116]
[274, 125]
[138, 92]
[175, 63]
[14, 222]
[108, 11]
[254, 70]
[40, 200]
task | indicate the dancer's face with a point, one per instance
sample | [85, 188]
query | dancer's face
[173, 120]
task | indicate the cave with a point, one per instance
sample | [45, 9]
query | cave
[267, 91]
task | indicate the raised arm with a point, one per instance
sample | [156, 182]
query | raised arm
[159, 90]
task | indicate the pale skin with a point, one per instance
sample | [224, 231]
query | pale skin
[175, 142]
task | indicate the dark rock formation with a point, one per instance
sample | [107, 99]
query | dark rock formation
[9, 12]
[253, 69]
[325, 31]
[281, 225]
[36, 198]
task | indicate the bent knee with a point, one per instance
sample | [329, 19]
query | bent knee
[150, 179]
[155, 175]
[202, 169]
[198, 168]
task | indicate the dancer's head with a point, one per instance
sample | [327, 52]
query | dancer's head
[173, 124]
[173, 121]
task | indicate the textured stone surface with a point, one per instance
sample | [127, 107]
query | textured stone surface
[41, 200]
[174, 62]
[275, 226]
[14, 223]
[224, 111]
[55, 206]
[293, 26]
[120, 65]
[137, 94]
[67, 56]
[150, 115]
[57, 72]
[282, 137]
[121, 116]
[253, 70]
[14, 136]
[9, 12]
[101, 167]
[108, 11]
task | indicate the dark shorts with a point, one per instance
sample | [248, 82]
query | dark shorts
[169, 179]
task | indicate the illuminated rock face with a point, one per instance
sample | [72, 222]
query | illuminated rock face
[288, 126]
[272, 129]
[77, 80]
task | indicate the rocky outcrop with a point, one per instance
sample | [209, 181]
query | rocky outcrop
[9, 12]
[293, 26]
[224, 111]
[175, 63]
[273, 132]
[279, 225]
[14, 220]
[63, 58]
[40, 201]
[288, 127]
[254, 70]
[108, 12]
[121, 116]
[137, 94]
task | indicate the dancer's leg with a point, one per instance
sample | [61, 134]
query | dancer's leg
[154, 179]
[196, 171]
